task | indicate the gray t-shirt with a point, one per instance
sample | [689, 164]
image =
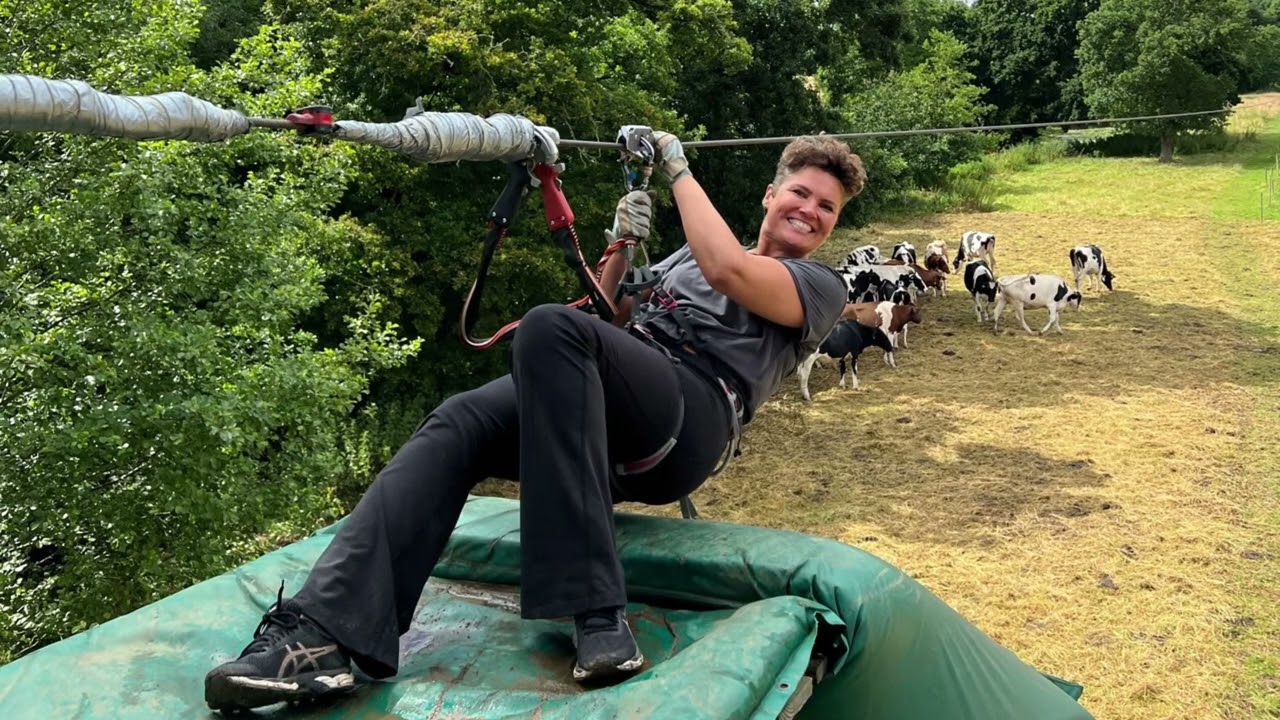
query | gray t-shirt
[758, 351]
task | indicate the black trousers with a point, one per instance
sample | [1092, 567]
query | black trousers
[582, 397]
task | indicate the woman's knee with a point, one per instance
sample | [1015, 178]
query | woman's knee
[548, 325]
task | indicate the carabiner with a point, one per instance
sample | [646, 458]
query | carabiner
[636, 144]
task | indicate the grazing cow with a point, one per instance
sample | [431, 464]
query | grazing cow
[903, 276]
[936, 248]
[976, 245]
[876, 315]
[866, 282]
[863, 284]
[1034, 291]
[899, 317]
[867, 314]
[894, 293]
[937, 263]
[864, 255]
[981, 284]
[932, 279]
[1088, 264]
[847, 340]
[906, 252]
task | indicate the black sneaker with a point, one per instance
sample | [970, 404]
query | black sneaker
[291, 659]
[606, 647]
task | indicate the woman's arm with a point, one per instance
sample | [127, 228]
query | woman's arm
[760, 284]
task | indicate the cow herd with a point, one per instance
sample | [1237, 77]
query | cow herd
[884, 295]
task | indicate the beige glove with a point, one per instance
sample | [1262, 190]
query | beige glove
[634, 215]
[671, 159]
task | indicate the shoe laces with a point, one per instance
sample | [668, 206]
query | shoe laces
[276, 623]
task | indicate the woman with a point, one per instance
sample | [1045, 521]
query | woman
[591, 415]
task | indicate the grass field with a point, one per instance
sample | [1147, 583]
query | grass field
[1103, 502]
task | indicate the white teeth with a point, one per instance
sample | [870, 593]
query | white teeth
[800, 225]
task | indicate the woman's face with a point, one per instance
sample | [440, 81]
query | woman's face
[800, 213]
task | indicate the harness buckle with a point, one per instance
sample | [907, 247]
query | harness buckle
[664, 298]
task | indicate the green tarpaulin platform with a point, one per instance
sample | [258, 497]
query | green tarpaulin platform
[735, 622]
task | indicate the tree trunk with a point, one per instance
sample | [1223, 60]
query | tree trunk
[1166, 147]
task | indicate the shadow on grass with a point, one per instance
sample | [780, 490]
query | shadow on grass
[827, 469]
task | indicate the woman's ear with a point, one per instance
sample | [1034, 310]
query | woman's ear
[768, 195]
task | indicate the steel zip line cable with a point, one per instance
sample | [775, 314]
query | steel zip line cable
[602, 145]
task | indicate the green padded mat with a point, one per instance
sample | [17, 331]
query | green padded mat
[728, 617]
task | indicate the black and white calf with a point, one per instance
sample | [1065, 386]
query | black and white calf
[976, 245]
[906, 252]
[894, 293]
[1088, 263]
[847, 340]
[1034, 291]
[864, 255]
[866, 283]
[981, 284]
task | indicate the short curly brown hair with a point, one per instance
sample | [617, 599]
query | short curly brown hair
[827, 154]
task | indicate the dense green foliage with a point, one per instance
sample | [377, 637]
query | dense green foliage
[1146, 57]
[1261, 62]
[166, 409]
[207, 349]
[1025, 53]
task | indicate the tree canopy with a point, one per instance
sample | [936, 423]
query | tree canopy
[1156, 57]
[1025, 52]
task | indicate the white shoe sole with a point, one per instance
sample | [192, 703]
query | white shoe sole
[623, 668]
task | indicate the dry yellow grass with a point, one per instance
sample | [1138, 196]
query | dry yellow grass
[1082, 498]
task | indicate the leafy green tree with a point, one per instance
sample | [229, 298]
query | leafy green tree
[922, 17]
[1156, 57]
[166, 415]
[806, 58]
[1261, 64]
[222, 26]
[1024, 51]
[1264, 12]
[938, 92]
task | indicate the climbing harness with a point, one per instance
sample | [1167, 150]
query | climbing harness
[637, 153]
[692, 354]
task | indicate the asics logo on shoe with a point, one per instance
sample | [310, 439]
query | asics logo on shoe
[300, 659]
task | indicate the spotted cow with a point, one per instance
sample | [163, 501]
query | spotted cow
[1088, 263]
[1034, 291]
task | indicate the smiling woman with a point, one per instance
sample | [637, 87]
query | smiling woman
[816, 176]
[591, 415]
